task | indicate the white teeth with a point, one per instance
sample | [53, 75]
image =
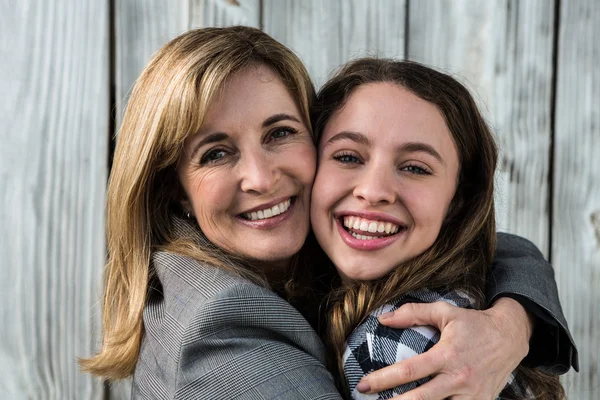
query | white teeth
[269, 212]
[362, 237]
[369, 226]
[373, 227]
[388, 227]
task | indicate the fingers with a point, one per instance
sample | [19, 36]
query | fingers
[439, 388]
[436, 314]
[409, 370]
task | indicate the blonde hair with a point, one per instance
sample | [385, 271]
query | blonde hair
[464, 248]
[168, 103]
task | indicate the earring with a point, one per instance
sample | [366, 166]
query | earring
[188, 215]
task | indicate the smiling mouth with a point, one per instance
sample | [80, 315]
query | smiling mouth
[270, 212]
[366, 229]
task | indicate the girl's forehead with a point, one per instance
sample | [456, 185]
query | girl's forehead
[376, 108]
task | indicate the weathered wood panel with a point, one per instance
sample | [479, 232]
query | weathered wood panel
[53, 157]
[502, 50]
[576, 211]
[325, 34]
[205, 13]
[141, 28]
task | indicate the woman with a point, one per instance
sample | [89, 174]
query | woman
[403, 205]
[208, 207]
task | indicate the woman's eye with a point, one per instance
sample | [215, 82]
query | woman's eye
[212, 156]
[414, 169]
[282, 132]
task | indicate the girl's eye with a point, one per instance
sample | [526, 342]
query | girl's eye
[282, 132]
[212, 156]
[346, 158]
[414, 169]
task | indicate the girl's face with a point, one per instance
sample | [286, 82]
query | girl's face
[388, 170]
[248, 172]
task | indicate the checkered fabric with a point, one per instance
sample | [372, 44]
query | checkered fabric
[373, 346]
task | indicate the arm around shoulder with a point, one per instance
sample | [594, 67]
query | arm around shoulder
[247, 342]
[519, 271]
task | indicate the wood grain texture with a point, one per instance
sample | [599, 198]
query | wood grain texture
[576, 211]
[141, 28]
[502, 51]
[205, 13]
[325, 34]
[53, 170]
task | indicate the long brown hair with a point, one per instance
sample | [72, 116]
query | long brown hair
[168, 103]
[460, 256]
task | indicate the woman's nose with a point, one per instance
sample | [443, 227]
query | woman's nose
[258, 172]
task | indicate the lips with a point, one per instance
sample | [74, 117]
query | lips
[269, 215]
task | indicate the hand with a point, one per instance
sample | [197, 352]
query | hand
[474, 358]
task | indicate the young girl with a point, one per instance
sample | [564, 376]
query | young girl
[403, 205]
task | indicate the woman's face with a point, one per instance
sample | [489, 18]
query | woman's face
[247, 173]
[388, 169]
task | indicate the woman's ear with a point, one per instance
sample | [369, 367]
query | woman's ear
[179, 196]
[186, 206]
[183, 200]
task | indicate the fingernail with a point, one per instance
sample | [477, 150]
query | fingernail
[386, 315]
[363, 387]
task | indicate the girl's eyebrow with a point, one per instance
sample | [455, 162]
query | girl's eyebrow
[413, 147]
[349, 135]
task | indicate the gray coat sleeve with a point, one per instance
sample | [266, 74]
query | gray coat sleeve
[520, 271]
[209, 334]
[247, 343]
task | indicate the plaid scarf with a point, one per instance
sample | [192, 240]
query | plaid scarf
[373, 346]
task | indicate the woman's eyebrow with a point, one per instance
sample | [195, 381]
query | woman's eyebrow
[413, 147]
[210, 138]
[277, 118]
[348, 135]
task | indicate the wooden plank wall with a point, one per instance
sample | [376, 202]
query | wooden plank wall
[53, 170]
[576, 186]
[533, 65]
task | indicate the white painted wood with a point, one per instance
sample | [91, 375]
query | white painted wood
[53, 170]
[142, 27]
[576, 211]
[326, 34]
[502, 50]
[205, 13]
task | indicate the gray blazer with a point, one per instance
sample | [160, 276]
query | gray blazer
[211, 335]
